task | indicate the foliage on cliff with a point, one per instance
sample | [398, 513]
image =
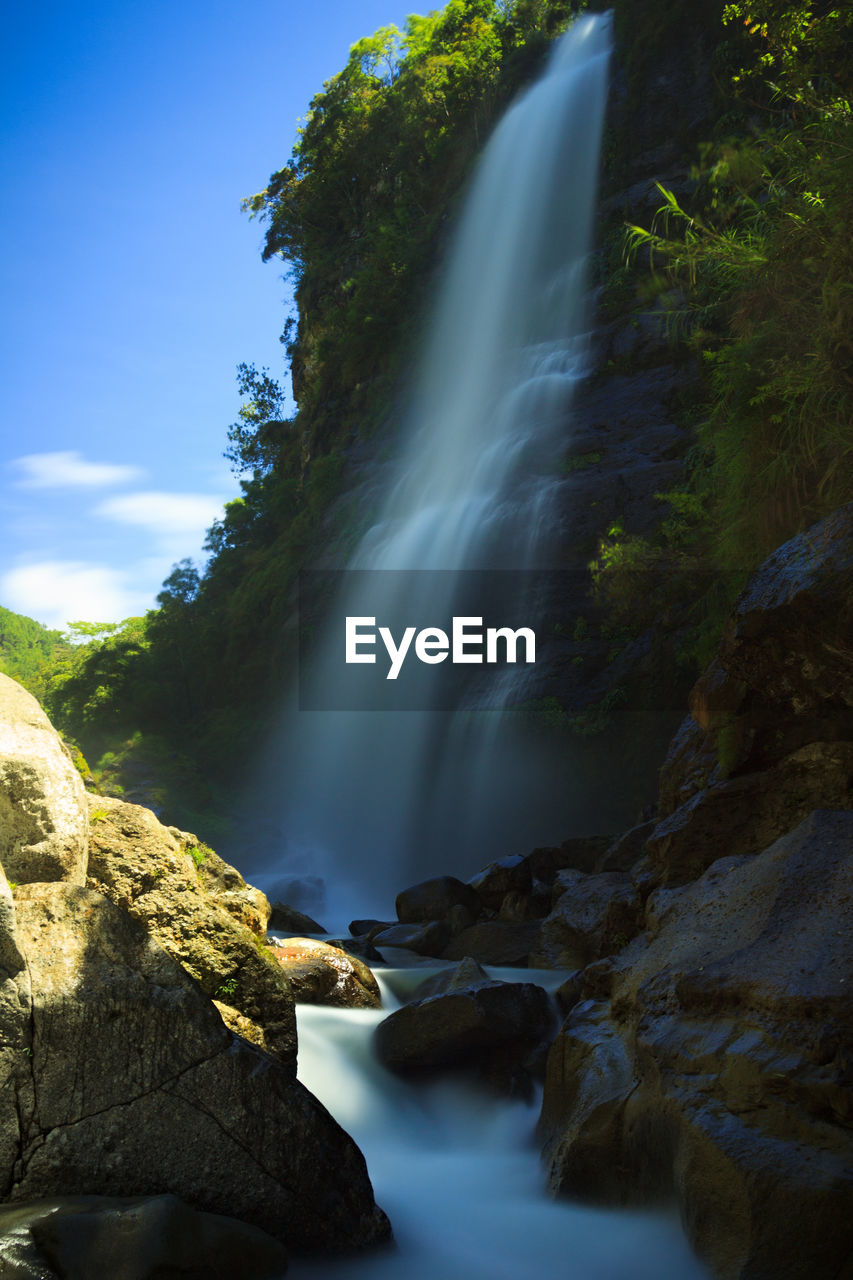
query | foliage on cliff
[760, 260]
[360, 212]
[29, 651]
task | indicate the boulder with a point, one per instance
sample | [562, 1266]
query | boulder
[134, 1238]
[433, 899]
[719, 1072]
[126, 1082]
[366, 928]
[428, 939]
[509, 875]
[197, 908]
[497, 942]
[626, 850]
[771, 731]
[789, 635]
[44, 824]
[746, 813]
[580, 852]
[319, 973]
[464, 1026]
[593, 916]
[467, 973]
[285, 919]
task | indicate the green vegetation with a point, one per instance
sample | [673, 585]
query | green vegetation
[199, 853]
[28, 651]
[753, 271]
[763, 264]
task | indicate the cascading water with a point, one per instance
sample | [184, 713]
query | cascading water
[459, 1176]
[419, 791]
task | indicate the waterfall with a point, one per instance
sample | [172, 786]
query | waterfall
[410, 793]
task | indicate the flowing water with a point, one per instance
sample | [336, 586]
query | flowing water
[459, 1175]
[375, 798]
[406, 794]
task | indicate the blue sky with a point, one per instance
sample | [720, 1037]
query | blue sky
[132, 283]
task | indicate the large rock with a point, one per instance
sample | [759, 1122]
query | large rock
[771, 730]
[496, 942]
[747, 813]
[201, 911]
[320, 973]
[593, 916]
[434, 899]
[44, 825]
[720, 1071]
[482, 1024]
[126, 1082]
[142, 1238]
[285, 919]
[427, 939]
[789, 635]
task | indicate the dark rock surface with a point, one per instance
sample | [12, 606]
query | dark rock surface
[720, 1069]
[467, 973]
[771, 731]
[593, 916]
[495, 942]
[285, 919]
[433, 899]
[427, 939]
[495, 1025]
[153, 1238]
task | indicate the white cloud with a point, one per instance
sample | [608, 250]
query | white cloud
[68, 469]
[56, 592]
[166, 514]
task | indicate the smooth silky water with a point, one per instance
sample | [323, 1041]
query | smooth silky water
[458, 1172]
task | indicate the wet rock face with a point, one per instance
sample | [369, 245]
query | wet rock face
[720, 1070]
[120, 1078]
[44, 825]
[771, 731]
[319, 973]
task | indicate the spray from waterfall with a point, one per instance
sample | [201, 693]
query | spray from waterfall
[379, 798]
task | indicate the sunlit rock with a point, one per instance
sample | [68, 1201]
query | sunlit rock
[199, 909]
[44, 823]
[319, 973]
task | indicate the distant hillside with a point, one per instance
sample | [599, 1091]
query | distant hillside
[28, 650]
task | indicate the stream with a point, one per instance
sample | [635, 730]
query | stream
[458, 1171]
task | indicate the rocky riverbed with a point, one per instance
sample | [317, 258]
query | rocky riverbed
[695, 1050]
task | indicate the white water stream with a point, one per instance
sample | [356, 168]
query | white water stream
[459, 1175]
